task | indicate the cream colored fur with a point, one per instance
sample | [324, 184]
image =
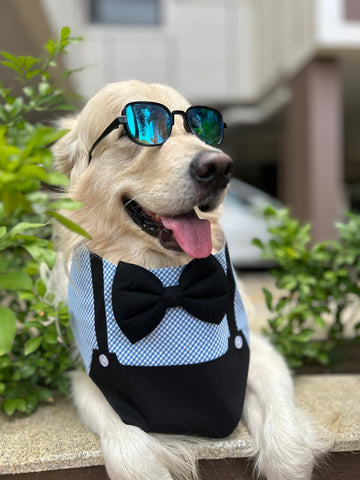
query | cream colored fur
[285, 443]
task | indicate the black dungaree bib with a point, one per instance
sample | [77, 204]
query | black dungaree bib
[197, 399]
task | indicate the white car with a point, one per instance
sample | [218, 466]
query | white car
[242, 221]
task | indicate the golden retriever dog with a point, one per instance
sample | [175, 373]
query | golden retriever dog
[150, 201]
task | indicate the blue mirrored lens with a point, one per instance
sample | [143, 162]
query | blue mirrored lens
[148, 123]
[206, 124]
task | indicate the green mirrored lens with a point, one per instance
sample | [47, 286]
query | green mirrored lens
[206, 124]
[148, 123]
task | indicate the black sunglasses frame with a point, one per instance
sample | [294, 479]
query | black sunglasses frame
[123, 121]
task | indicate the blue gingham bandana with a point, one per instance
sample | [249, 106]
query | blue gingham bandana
[179, 339]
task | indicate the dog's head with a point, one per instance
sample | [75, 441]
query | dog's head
[141, 203]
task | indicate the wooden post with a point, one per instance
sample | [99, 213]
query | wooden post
[310, 174]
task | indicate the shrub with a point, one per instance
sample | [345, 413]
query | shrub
[318, 283]
[35, 334]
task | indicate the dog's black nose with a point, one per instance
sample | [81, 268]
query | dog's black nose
[212, 169]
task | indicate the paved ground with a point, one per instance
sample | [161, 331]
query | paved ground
[252, 284]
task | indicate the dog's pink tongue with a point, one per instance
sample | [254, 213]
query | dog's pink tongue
[191, 233]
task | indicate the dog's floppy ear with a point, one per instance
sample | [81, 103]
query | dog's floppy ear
[70, 153]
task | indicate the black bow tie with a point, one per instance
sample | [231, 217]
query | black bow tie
[140, 300]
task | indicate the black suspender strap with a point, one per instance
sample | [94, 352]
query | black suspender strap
[232, 286]
[99, 302]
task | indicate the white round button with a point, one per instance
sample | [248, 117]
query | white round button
[238, 342]
[104, 361]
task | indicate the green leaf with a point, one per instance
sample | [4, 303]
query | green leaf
[32, 345]
[32, 74]
[51, 337]
[66, 204]
[64, 33]
[50, 46]
[30, 401]
[21, 405]
[282, 303]
[5, 362]
[258, 243]
[57, 178]
[44, 394]
[67, 73]
[33, 172]
[69, 224]
[3, 114]
[65, 106]
[10, 57]
[15, 281]
[7, 329]
[4, 263]
[40, 287]
[323, 358]
[268, 299]
[12, 65]
[294, 362]
[310, 350]
[27, 370]
[42, 254]
[270, 211]
[42, 137]
[319, 321]
[9, 406]
[22, 226]
[303, 336]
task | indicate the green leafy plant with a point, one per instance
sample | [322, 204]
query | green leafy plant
[318, 283]
[34, 331]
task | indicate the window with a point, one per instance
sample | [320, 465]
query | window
[126, 12]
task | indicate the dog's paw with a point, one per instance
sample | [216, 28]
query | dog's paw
[133, 457]
[290, 450]
[129, 452]
[286, 444]
[136, 455]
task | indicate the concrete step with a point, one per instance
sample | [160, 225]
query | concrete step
[53, 439]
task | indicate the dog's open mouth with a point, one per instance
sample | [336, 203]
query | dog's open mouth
[186, 232]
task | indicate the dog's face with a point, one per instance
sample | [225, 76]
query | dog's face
[141, 203]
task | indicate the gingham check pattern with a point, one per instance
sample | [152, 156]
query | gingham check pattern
[179, 339]
[81, 305]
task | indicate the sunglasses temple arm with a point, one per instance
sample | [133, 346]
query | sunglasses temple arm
[113, 125]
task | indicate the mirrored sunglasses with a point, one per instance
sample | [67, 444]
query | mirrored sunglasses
[149, 124]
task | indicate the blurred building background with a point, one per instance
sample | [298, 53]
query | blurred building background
[284, 73]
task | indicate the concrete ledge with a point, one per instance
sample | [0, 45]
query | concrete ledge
[54, 439]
